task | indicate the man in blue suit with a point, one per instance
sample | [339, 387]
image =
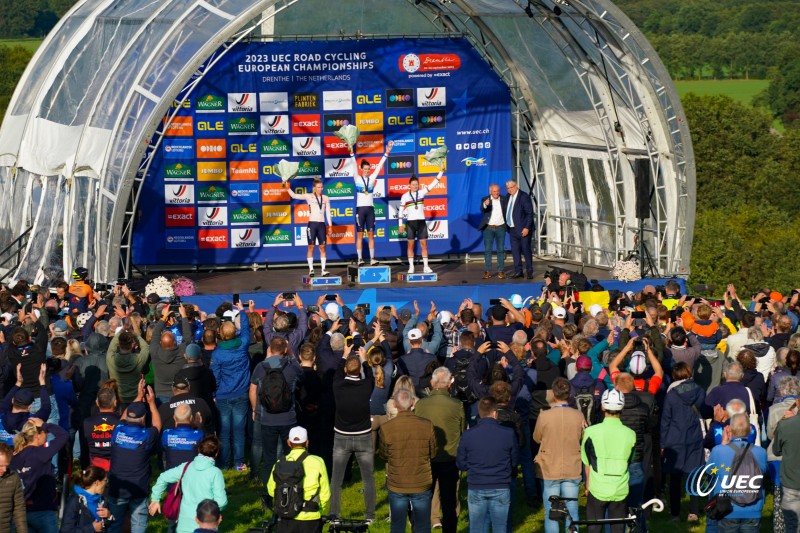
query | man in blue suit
[493, 226]
[519, 219]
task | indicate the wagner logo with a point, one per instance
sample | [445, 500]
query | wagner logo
[343, 234]
[244, 170]
[242, 103]
[335, 146]
[179, 172]
[400, 98]
[179, 216]
[337, 100]
[400, 121]
[178, 194]
[178, 148]
[306, 146]
[703, 480]
[372, 121]
[431, 119]
[213, 238]
[244, 216]
[305, 124]
[278, 237]
[305, 101]
[431, 97]
[242, 126]
[212, 171]
[339, 189]
[401, 164]
[309, 168]
[179, 127]
[273, 102]
[274, 192]
[274, 147]
[395, 235]
[334, 121]
[438, 230]
[212, 194]
[213, 216]
[275, 215]
[212, 148]
[210, 103]
[370, 144]
[274, 124]
[339, 168]
[245, 238]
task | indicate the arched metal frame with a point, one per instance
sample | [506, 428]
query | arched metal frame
[173, 44]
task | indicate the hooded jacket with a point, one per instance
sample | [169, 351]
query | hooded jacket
[681, 434]
[127, 368]
[230, 363]
[753, 380]
[765, 357]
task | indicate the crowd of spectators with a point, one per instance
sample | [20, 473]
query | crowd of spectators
[625, 395]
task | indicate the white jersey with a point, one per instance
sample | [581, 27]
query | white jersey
[366, 186]
[412, 204]
[319, 206]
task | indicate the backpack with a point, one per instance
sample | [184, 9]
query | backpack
[584, 401]
[288, 477]
[274, 392]
[460, 388]
[748, 466]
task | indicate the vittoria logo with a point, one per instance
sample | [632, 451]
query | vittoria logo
[274, 124]
[245, 238]
[339, 168]
[213, 216]
[242, 103]
[438, 230]
[431, 97]
[178, 194]
[306, 146]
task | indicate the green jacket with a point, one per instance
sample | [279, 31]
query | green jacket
[127, 368]
[607, 449]
[447, 415]
[202, 480]
[316, 479]
[784, 445]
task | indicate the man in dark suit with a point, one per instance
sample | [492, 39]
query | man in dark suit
[493, 226]
[519, 219]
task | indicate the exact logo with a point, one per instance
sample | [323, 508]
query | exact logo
[213, 238]
[305, 124]
[179, 216]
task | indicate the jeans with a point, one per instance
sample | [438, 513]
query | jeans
[232, 414]
[42, 521]
[492, 502]
[361, 446]
[636, 491]
[398, 508]
[494, 237]
[273, 438]
[739, 525]
[37, 404]
[256, 447]
[119, 506]
[526, 465]
[790, 504]
[566, 488]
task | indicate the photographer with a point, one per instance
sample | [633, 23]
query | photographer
[277, 324]
[166, 352]
[126, 358]
[638, 347]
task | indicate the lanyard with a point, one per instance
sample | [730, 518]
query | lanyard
[366, 184]
[320, 200]
[416, 200]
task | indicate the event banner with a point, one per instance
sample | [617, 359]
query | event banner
[212, 194]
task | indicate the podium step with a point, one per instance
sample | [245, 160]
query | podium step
[369, 274]
[418, 277]
[327, 281]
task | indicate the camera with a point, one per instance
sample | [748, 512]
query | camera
[638, 344]
[365, 307]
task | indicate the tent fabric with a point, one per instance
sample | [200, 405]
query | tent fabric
[591, 95]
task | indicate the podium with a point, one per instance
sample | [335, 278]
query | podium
[420, 277]
[327, 281]
[369, 274]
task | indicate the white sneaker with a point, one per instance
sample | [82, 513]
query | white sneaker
[411, 270]
[324, 273]
[310, 273]
[427, 270]
[373, 263]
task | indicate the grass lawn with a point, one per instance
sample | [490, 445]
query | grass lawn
[740, 90]
[29, 44]
[244, 509]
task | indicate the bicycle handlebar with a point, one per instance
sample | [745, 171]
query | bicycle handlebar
[657, 504]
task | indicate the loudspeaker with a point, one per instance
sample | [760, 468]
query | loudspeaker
[644, 187]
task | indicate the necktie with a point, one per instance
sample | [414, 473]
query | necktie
[510, 210]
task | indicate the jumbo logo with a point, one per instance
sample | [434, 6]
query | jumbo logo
[372, 121]
[274, 124]
[212, 148]
[179, 127]
[306, 146]
[241, 102]
[425, 167]
[213, 216]
[244, 170]
[213, 238]
[335, 146]
[431, 97]
[179, 216]
[305, 124]
[276, 215]
[179, 194]
[249, 238]
[370, 144]
[212, 171]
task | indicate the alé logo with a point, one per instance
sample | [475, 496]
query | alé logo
[703, 480]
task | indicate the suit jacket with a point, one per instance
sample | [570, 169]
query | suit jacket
[521, 214]
[487, 211]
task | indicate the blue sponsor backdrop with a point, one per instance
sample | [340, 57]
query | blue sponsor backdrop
[212, 194]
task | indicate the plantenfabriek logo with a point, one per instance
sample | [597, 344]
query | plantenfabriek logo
[703, 480]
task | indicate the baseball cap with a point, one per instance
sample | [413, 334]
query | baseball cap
[516, 301]
[445, 317]
[775, 296]
[583, 363]
[638, 363]
[180, 381]
[332, 310]
[153, 298]
[23, 398]
[298, 435]
[60, 328]
[414, 334]
[559, 312]
[405, 314]
[612, 400]
[230, 314]
[137, 410]
[193, 351]
[595, 309]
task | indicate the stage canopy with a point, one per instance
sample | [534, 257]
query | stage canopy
[593, 109]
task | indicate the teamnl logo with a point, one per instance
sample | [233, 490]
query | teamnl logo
[702, 481]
